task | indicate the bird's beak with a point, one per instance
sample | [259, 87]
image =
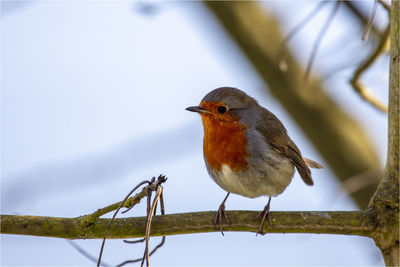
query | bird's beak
[197, 109]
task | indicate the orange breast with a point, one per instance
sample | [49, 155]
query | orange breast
[224, 143]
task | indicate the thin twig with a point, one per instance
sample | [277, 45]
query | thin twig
[367, 29]
[149, 192]
[162, 208]
[338, 68]
[115, 214]
[130, 203]
[158, 246]
[359, 181]
[321, 34]
[84, 252]
[282, 54]
[134, 241]
[354, 8]
[361, 89]
[148, 225]
[151, 253]
[385, 5]
[152, 185]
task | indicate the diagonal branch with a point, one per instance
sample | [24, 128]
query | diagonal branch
[129, 203]
[354, 8]
[361, 89]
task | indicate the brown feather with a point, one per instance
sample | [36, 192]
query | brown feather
[298, 161]
[313, 164]
[276, 136]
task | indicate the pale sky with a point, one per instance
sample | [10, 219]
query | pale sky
[93, 98]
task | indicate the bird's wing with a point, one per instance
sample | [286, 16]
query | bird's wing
[276, 136]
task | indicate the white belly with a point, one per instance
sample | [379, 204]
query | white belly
[252, 183]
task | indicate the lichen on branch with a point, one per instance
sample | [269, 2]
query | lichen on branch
[330, 222]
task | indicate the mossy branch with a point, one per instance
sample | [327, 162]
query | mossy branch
[385, 201]
[331, 222]
[129, 203]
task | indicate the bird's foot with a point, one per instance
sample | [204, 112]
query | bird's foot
[221, 214]
[264, 214]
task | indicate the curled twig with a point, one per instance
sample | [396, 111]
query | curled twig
[153, 185]
[151, 253]
[361, 89]
[151, 212]
[115, 214]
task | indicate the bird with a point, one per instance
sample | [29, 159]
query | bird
[247, 150]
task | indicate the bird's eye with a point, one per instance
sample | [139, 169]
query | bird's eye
[222, 109]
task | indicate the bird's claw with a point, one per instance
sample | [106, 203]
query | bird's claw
[264, 214]
[221, 214]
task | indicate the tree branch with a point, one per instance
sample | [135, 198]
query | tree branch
[361, 89]
[354, 8]
[385, 201]
[129, 203]
[331, 222]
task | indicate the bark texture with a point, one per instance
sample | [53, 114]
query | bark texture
[332, 222]
[386, 198]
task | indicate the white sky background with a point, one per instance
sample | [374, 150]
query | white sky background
[92, 102]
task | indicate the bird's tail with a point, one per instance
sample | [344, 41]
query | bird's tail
[312, 164]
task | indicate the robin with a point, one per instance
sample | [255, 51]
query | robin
[247, 150]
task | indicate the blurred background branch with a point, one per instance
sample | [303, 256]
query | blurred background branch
[358, 14]
[359, 87]
[334, 133]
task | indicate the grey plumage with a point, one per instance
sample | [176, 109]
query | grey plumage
[271, 164]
